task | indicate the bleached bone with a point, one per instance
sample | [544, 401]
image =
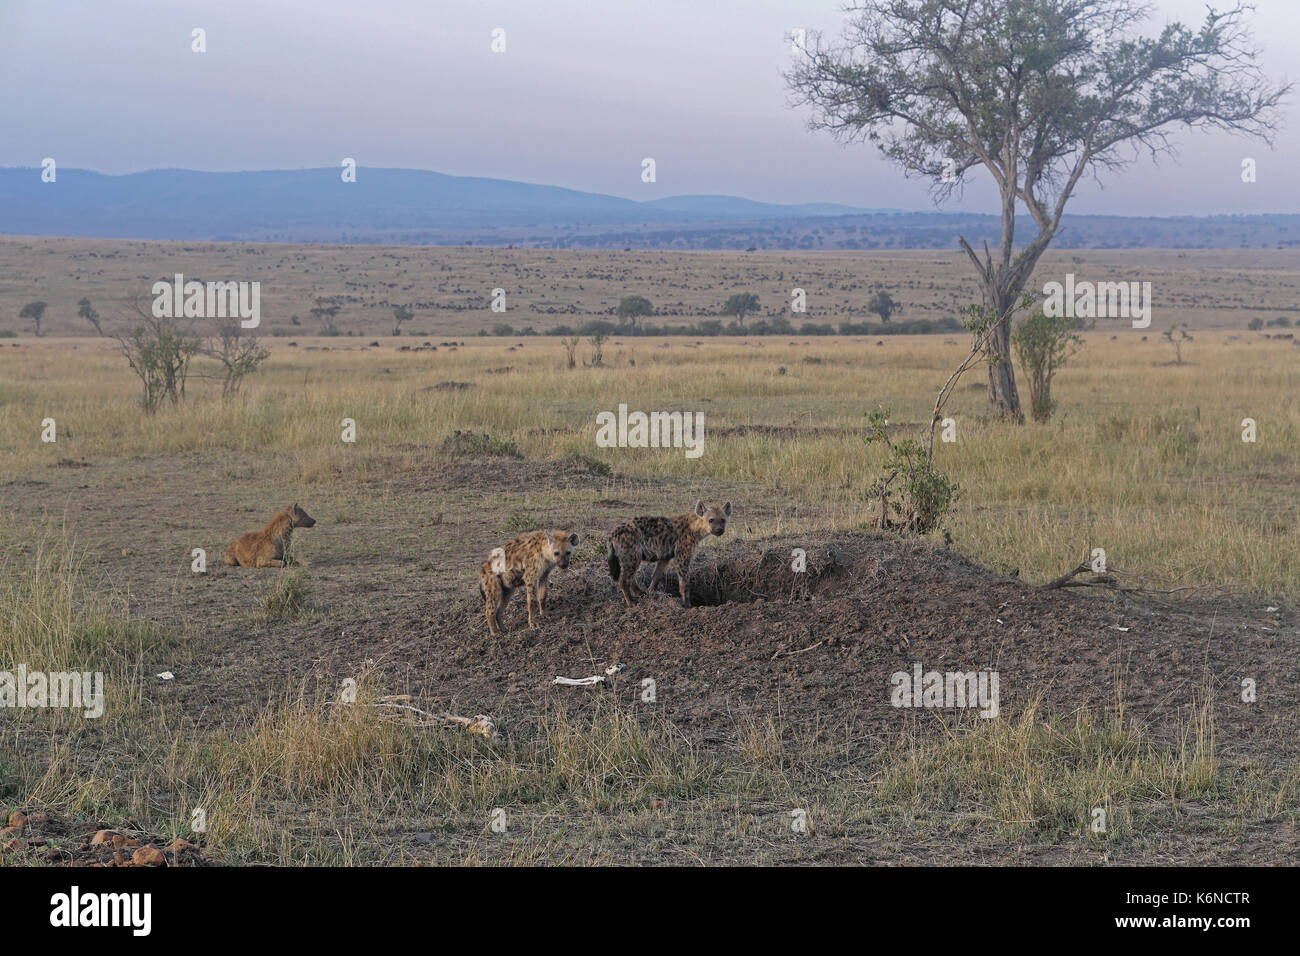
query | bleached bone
[588, 681]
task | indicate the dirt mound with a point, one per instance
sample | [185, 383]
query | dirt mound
[818, 648]
[775, 574]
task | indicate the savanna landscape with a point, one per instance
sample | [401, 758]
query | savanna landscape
[665, 437]
[771, 694]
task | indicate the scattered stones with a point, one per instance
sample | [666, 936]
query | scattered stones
[180, 847]
[18, 819]
[57, 846]
[149, 855]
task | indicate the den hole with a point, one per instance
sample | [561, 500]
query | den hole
[766, 576]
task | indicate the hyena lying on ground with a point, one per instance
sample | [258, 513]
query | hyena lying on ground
[660, 540]
[526, 561]
[266, 548]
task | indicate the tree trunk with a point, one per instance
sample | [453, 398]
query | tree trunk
[1004, 398]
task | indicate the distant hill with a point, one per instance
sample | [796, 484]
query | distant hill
[418, 207]
[306, 203]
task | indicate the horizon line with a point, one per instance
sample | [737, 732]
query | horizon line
[858, 210]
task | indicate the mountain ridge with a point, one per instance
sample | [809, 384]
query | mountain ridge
[425, 207]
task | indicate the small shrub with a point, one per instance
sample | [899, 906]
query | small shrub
[472, 443]
[924, 495]
[593, 465]
[159, 351]
[1043, 344]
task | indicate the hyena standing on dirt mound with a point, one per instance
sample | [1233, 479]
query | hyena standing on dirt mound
[266, 548]
[660, 540]
[526, 561]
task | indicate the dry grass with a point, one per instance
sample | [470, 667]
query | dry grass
[1145, 459]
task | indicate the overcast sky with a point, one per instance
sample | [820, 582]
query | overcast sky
[583, 92]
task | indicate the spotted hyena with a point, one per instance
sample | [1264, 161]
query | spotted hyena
[525, 561]
[660, 540]
[267, 548]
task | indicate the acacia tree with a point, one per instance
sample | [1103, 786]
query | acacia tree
[1037, 92]
[34, 311]
[87, 312]
[633, 307]
[883, 304]
[325, 315]
[237, 354]
[740, 305]
[1177, 335]
[401, 313]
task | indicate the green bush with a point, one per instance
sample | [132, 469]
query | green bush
[1043, 344]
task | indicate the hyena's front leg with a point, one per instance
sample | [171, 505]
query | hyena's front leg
[541, 599]
[530, 592]
[683, 571]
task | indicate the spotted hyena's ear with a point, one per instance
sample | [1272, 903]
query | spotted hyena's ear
[574, 538]
[549, 542]
[699, 507]
[726, 509]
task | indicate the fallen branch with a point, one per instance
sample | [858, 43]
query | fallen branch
[1107, 580]
[782, 653]
[1067, 579]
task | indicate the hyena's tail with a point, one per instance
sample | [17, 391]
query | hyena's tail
[613, 564]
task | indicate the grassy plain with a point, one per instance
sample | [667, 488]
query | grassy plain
[1145, 459]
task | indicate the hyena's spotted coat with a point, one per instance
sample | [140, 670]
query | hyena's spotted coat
[525, 561]
[267, 548]
[660, 540]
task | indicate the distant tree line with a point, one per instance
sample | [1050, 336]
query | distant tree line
[633, 309]
[712, 327]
